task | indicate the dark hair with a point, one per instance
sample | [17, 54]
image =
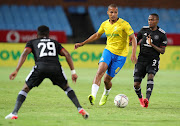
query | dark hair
[43, 30]
[156, 15]
[113, 5]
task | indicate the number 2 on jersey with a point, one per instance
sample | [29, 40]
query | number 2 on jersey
[50, 46]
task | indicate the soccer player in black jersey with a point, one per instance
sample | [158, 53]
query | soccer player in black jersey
[153, 43]
[47, 65]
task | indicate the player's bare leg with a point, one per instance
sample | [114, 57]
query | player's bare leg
[150, 85]
[137, 88]
[107, 81]
[97, 81]
[20, 99]
[101, 70]
[108, 85]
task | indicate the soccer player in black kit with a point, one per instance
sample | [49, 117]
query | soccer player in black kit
[47, 65]
[153, 42]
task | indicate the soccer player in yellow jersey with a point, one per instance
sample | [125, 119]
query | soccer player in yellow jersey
[118, 33]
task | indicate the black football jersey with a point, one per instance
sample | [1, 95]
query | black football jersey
[45, 50]
[158, 38]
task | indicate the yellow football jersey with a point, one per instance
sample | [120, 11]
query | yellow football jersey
[117, 36]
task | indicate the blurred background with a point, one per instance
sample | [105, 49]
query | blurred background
[75, 20]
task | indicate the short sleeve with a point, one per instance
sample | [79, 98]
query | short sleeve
[29, 45]
[60, 47]
[101, 29]
[164, 41]
[128, 29]
[139, 35]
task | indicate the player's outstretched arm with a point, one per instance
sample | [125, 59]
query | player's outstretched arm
[134, 46]
[65, 53]
[20, 63]
[92, 38]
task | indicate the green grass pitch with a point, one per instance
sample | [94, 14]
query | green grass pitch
[48, 105]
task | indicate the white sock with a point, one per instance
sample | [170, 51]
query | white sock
[106, 92]
[94, 89]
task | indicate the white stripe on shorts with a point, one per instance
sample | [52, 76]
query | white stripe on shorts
[30, 73]
[63, 73]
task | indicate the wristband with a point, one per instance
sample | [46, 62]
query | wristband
[73, 72]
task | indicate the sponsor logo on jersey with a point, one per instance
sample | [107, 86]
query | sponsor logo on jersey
[147, 44]
[156, 37]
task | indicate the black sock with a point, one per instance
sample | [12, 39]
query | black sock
[150, 85]
[71, 94]
[138, 92]
[20, 99]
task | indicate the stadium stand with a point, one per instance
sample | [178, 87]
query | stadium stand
[137, 17]
[13, 17]
[21, 17]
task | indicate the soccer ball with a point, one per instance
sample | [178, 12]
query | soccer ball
[121, 100]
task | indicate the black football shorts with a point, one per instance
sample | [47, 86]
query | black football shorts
[150, 67]
[41, 71]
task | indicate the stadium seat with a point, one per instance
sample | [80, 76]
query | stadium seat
[72, 10]
[81, 10]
